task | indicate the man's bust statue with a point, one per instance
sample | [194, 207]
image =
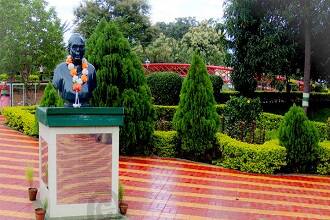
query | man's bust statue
[75, 77]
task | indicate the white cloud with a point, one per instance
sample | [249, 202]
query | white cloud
[168, 10]
[161, 10]
[64, 10]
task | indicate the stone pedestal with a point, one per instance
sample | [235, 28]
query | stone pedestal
[79, 161]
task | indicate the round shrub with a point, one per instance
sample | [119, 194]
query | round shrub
[300, 138]
[4, 77]
[217, 83]
[165, 87]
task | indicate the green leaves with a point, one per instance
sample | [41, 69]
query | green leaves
[130, 15]
[300, 137]
[51, 98]
[21, 119]
[266, 158]
[240, 113]
[206, 41]
[324, 158]
[196, 119]
[31, 36]
[165, 87]
[121, 82]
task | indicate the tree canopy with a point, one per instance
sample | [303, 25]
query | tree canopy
[206, 41]
[121, 82]
[130, 15]
[268, 37]
[178, 28]
[31, 36]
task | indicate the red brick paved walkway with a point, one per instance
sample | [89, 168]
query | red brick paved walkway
[175, 189]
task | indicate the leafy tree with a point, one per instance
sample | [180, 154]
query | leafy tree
[196, 119]
[162, 50]
[178, 28]
[309, 22]
[269, 37]
[131, 16]
[300, 138]
[121, 82]
[260, 42]
[204, 39]
[31, 36]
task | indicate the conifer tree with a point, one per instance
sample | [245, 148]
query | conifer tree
[50, 97]
[196, 119]
[121, 83]
[300, 138]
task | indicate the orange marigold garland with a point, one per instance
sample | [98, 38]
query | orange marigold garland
[76, 80]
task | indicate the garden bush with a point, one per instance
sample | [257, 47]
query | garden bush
[121, 83]
[50, 97]
[165, 114]
[328, 128]
[4, 77]
[269, 121]
[266, 158]
[323, 167]
[164, 144]
[217, 83]
[165, 87]
[280, 102]
[239, 114]
[300, 138]
[34, 78]
[19, 118]
[322, 130]
[196, 119]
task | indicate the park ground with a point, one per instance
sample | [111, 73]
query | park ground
[160, 188]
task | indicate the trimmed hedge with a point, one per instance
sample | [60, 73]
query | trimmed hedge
[20, 118]
[322, 130]
[164, 144]
[266, 158]
[323, 167]
[268, 121]
[281, 97]
[165, 87]
[165, 114]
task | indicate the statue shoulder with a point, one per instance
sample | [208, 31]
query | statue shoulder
[60, 67]
[91, 65]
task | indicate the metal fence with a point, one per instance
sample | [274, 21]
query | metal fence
[22, 94]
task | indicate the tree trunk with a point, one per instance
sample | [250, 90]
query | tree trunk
[307, 66]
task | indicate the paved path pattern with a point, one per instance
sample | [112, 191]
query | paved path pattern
[175, 189]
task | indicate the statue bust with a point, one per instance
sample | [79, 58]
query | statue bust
[75, 79]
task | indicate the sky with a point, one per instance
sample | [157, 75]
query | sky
[161, 10]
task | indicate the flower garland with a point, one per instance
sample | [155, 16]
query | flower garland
[77, 82]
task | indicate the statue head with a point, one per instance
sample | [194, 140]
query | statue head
[76, 46]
